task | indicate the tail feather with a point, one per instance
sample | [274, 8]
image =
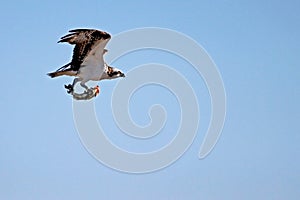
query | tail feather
[64, 67]
[60, 73]
[52, 74]
[64, 70]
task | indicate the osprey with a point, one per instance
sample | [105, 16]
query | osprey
[87, 62]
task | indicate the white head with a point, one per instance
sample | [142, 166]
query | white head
[112, 73]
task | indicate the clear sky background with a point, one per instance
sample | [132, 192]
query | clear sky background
[255, 45]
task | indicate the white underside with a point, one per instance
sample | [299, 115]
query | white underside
[90, 72]
[93, 66]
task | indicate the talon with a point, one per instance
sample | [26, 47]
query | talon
[69, 88]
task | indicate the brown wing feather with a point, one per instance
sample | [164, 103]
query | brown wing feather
[84, 40]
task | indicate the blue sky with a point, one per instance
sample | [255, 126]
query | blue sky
[255, 45]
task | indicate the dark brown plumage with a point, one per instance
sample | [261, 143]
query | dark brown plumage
[84, 40]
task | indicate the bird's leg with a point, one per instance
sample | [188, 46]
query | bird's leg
[70, 88]
[76, 80]
[84, 86]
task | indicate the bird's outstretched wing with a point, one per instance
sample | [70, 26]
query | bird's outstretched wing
[89, 46]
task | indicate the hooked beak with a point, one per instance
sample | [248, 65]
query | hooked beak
[122, 75]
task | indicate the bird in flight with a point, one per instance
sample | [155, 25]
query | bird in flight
[87, 62]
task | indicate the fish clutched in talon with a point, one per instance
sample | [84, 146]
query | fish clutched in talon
[87, 62]
[87, 94]
[97, 90]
